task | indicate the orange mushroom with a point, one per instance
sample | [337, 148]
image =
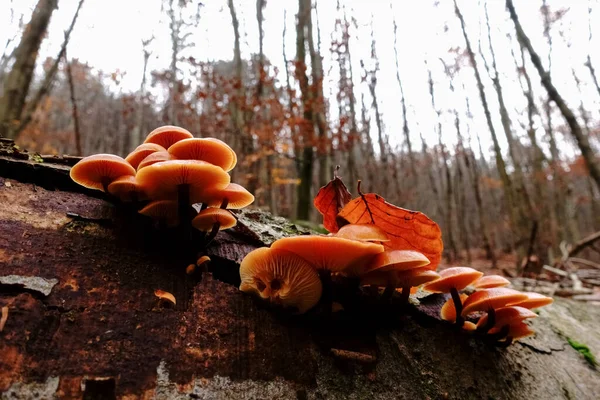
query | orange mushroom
[488, 300]
[126, 189]
[100, 170]
[163, 211]
[234, 161]
[280, 277]
[213, 220]
[448, 311]
[452, 280]
[534, 300]
[167, 135]
[490, 281]
[213, 151]
[142, 151]
[405, 279]
[234, 196]
[153, 158]
[514, 331]
[363, 232]
[505, 316]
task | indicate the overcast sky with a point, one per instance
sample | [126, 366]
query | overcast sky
[109, 33]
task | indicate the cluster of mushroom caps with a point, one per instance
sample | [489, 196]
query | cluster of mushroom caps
[171, 171]
[293, 272]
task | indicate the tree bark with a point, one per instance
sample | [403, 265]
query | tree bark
[78, 275]
[17, 81]
[567, 113]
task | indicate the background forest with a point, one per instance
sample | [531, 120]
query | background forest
[483, 115]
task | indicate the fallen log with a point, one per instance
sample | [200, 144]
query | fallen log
[83, 321]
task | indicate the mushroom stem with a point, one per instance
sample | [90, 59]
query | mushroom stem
[105, 183]
[388, 292]
[327, 295]
[183, 202]
[501, 334]
[491, 321]
[212, 234]
[204, 206]
[224, 204]
[405, 295]
[458, 307]
[505, 343]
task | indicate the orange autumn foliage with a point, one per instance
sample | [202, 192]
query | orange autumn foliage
[330, 200]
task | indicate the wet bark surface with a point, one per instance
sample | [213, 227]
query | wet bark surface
[78, 275]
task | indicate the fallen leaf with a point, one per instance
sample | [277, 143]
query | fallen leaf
[330, 200]
[406, 229]
[4, 317]
[161, 294]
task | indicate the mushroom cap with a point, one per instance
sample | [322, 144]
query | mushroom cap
[126, 188]
[93, 171]
[485, 299]
[215, 152]
[397, 260]
[412, 277]
[234, 162]
[516, 330]
[469, 326]
[534, 300]
[165, 210]
[206, 219]
[281, 277]
[167, 135]
[153, 158]
[330, 252]
[162, 180]
[363, 232]
[142, 151]
[455, 277]
[490, 281]
[236, 195]
[508, 315]
[448, 311]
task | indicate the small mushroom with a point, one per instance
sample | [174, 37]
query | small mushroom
[163, 211]
[280, 277]
[234, 196]
[153, 158]
[126, 189]
[516, 330]
[363, 233]
[100, 170]
[213, 220]
[405, 279]
[167, 135]
[142, 151]
[490, 299]
[490, 281]
[448, 311]
[534, 300]
[451, 281]
[213, 151]
[504, 316]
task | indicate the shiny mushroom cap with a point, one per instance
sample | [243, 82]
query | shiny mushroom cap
[207, 218]
[400, 279]
[507, 316]
[167, 135]
[534, 300]
[236, 195]
[280, 277]
[234, 161]
[330, 252]
[100, 170]
[162, 210]
[485, 299]
[142, 151]
[126, 189]
[397, 260]
[453, 278]
[153, 158]
[363, 232]
[490, 281]
[448, 311]
[215, 152]
[162, 180]
[516, 330]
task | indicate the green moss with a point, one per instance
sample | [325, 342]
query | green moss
[584, 350]
[36, 157]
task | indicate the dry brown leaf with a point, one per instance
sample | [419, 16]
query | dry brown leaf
[330, 200]
[406, 229]
[161, 294]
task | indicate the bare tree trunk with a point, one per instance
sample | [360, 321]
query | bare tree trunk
[500, 164]
[138, 134]
[307, 129]
[588, 62]
[567, 113]
[17, 81]
[74, 110]
[368, 148]
[174, 26]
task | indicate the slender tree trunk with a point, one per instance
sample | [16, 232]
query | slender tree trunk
[75, 113]
[17, 81]
[567, 113]
[500, 164]
[175, 48]
[139, 133]
[368, 148]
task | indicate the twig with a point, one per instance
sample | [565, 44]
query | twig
[555, 270]
[583, 243]
[584, 262]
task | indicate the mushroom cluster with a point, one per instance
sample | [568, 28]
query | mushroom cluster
[170, 172]
[491, 309]
[296, 272]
